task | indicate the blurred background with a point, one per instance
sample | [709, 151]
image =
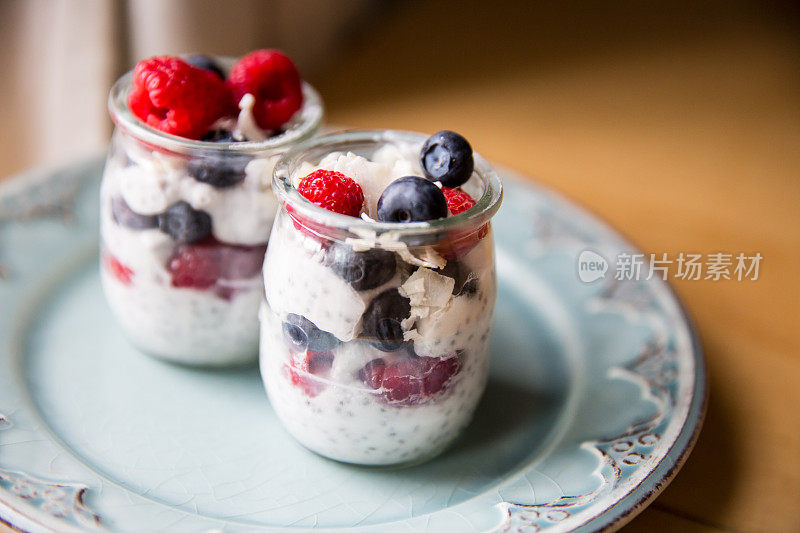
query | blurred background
[678, 122]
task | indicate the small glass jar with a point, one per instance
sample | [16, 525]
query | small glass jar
[375, 336]
[184, 228]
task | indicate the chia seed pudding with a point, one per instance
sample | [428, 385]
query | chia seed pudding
[186, 206]
[380, 291]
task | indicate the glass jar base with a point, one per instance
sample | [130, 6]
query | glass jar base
[399, 465]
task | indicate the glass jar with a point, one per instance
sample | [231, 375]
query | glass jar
[181, 258]
[375, 336]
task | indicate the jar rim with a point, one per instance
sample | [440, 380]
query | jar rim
[485, 207]
[311, 115]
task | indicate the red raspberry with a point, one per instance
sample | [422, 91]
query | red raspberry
[333, 191]
[301, 364]
[202, 265]
[458, 201]
[118, 270]
[274, 81]
[460, 244]
[411, 381]
[175, 97]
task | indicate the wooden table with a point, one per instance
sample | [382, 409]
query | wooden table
[681, 128]
[683, 133]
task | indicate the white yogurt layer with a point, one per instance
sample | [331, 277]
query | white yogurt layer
[186, 325]
[300, 284]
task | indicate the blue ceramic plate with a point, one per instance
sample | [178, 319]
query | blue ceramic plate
[596, 396]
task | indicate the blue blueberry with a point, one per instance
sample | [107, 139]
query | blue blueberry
[470, 288]
[219, 136]
[125, 216]
[218, 171]
[465, 280]
[206, 63]
[184, 223]
[411, 199]
[381, 320]
[362, 270]
[447, 157]
[302, 334]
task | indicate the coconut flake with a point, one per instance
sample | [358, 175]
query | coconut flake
[426, 288]
[246, 127]
[428, 293]
[368, 239]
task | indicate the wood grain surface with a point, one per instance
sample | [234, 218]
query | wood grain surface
[681, 127]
